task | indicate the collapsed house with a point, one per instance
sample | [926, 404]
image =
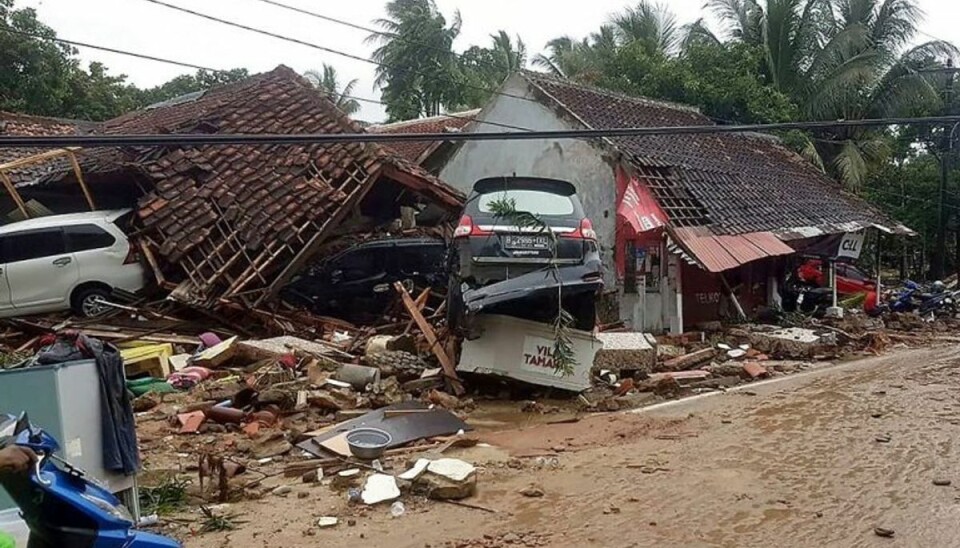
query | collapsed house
[430, 155]
[693, 227]
[234, 223]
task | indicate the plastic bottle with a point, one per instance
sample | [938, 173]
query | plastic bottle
[397, 509]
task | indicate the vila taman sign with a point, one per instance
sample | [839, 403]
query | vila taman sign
[523, 350]
[538, 355]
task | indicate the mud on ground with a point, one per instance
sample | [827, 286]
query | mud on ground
[791, 463]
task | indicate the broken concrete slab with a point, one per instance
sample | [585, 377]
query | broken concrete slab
[626, 351]
[380, 488]
[792, 342]
[448, 479]
[415, 471]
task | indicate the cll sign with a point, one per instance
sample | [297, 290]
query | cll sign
[851, 245]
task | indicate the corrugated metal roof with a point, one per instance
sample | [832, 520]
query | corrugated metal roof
[719, 253]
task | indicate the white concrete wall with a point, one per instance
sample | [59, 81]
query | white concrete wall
[567, 159]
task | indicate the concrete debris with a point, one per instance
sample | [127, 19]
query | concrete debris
[327, 521]
[688, 361]
[626, 351]
[793, 342]
[380, 488]
[448, 479]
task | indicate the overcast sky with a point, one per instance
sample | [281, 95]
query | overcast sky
[138, 26]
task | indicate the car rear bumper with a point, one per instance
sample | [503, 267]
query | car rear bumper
[566, 281]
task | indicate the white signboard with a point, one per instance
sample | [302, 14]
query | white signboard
[537, 356]
[523, 350]
[851, 245]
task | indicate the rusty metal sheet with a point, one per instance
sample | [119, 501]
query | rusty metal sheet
[720, 253]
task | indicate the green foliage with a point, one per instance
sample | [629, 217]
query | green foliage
[38, 76]
[723, 81]
[418, 71]
[327, 81]
[213, 523]
[188, 83]
[164, 499]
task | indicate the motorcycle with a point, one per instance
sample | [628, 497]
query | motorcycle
[804, 297]
[61, 506]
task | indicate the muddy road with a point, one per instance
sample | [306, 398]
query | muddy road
[817, 459]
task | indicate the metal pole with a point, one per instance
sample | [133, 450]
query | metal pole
[833, 280]
[937, 264]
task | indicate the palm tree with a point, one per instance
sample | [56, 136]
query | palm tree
[327, 81]
[841, 59]
[417, 70]
[558, 57]
[510, 57]
[653, 26]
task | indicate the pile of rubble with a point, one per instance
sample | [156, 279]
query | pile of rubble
[634, 369]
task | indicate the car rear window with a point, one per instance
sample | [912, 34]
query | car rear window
[87, 237]
[531, 201]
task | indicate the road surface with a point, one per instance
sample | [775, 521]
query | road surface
[796, 462]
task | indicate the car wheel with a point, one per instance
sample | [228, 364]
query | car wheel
[87, 302]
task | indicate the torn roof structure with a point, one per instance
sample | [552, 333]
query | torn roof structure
[419, 151]
[725, 195]
[240, 220]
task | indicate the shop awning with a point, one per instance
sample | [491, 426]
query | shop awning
[718, 253]
[638, 210]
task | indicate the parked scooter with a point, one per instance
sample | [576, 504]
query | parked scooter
[61, 506]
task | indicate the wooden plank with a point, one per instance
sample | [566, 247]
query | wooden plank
[449, 368]
[152, 261]
[421, 302]
[37, 158]
[79, 175]
[8, 184]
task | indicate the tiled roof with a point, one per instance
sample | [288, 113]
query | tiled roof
[22, 125]
[732, 183]
[417, 151]
[234, 216]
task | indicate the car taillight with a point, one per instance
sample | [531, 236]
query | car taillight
[467, 228]
[133, 256]
[584, 232]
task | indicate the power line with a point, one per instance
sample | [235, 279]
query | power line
[59, 141]
[324, 48]
[355, 26]
[111, 50]
[220, 71]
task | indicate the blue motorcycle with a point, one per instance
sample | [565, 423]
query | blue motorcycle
[62, 508]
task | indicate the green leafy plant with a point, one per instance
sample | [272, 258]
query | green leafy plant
[214, 523]
[167, 498]
[564, 358]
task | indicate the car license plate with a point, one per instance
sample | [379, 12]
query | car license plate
[527, 242]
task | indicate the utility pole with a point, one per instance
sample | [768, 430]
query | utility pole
[937, 260]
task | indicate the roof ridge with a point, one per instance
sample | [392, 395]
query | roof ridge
[414, 121]
[528, 74]
[6, 115]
